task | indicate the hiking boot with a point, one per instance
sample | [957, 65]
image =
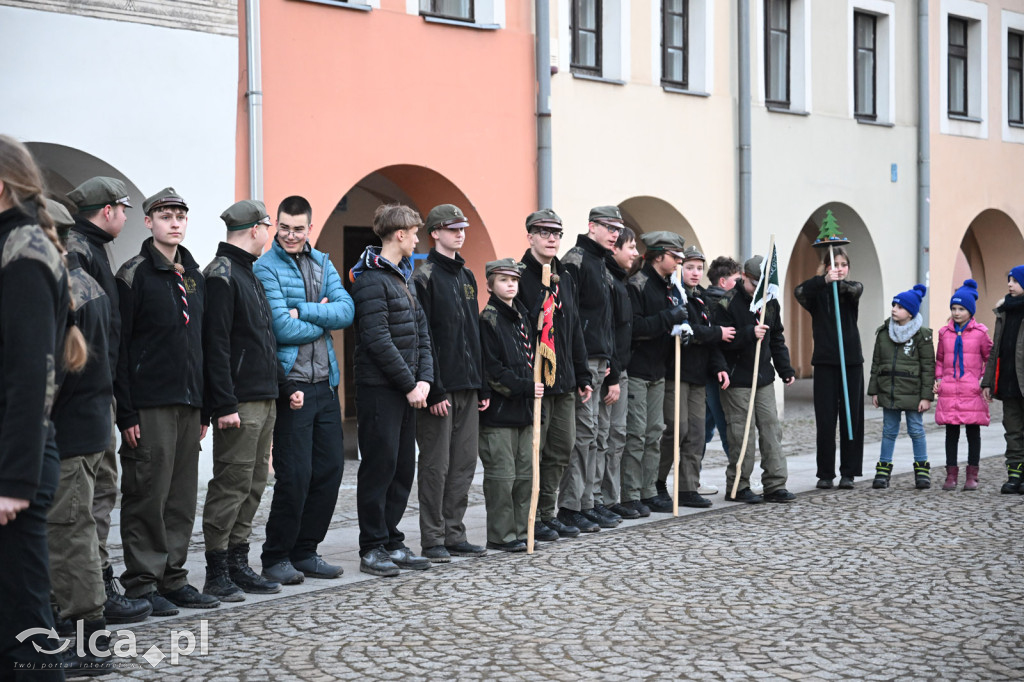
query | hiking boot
[218, 582]
[188, 597]
[780, 495]
[883, 471]
[607, 513]
[118, 608]
[543, 533]
[96, 658]
[624, 511]
[922, 475]
[746, 495]
[662, 488]
[571, 517]
[639, 507]
[563, 530]
[693, 499]
[600, 519]
[1014, 472]
[951, 475]
[242, 574]
[971, 482]
[159, 605]
[659, 504]
[466, 548]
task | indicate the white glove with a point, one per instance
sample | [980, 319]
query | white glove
[684, 330]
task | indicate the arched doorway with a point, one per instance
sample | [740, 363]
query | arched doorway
[64, 168]
[649, 214]
[991, 246]
[803, 264]
[347, 232]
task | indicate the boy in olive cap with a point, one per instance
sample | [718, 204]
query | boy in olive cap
[448, 430]
[506, 426]
[243, 380]
[1004, 376]
[159, 391]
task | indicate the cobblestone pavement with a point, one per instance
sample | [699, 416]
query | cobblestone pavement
[876, 585]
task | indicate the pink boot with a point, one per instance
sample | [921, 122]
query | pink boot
[951, 475]
[972, 478]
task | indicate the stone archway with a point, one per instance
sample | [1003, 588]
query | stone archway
[803, 264]
[991, 245]
[649, 214]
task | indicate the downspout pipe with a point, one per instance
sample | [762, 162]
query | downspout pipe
[543, 59]
[254, 97]
[746, 237]
[924, 162]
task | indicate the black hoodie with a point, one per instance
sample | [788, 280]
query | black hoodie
[507, 339]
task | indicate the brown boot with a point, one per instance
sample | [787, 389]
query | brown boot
[972, 478]
[951, 476]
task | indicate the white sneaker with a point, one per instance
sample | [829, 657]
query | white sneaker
[707, 489]
[756, 487]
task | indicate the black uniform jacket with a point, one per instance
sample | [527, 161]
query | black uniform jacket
[507, 338]
[161, 358]
[816, 296]
[85, 248]
[586, 265]
[622, 318]
[734, 311]
[652, 297]
[446, 289]
[702, 359]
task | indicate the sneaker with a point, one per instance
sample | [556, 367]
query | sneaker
[706, 489]
[780, 495]
[437, 554]
[824, 484]
[746, 495]
[119, 609]
[624, 511]
[403, 557]
[543, 533]
[514, 546]
[563, 530]
[159, 605]
[465, 548]
[601, 520]
[284, 573]
[316, 567]
[756, 488]
[571, 517]
[693, 499]
[377, 562]
[188, 597]
[658, 504]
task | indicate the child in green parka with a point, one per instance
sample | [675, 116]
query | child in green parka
[902, 374]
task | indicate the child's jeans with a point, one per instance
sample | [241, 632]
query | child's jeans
[891, 429]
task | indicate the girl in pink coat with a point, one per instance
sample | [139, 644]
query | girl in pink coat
[964, 347]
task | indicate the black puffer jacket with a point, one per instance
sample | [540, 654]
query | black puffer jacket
[816, 296]
[571, 370]
[161, 358]
[446, 289]
[392, 337]
[585, 264]
[702, 359]
[734, 311]
[622, 318]
[507, 340]
[654, 302]
[86, 250]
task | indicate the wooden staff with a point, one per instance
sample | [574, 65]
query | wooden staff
[675, 422]
[757, 362]
[545, 280]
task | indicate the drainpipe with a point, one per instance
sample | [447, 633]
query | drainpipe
[543, 59]
[924, 159]
[254, 95]
[746, 238]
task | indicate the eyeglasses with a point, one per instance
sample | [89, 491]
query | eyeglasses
[288, 233]
[545, 233]
[614, 229]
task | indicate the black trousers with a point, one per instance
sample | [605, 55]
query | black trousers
[973, 444]
[309, 460]
[386, 426]
[829, 406]
[25, 584]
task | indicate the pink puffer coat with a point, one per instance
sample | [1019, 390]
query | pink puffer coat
[960, 400]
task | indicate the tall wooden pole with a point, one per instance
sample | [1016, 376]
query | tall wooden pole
[675, 422]
[545, 280]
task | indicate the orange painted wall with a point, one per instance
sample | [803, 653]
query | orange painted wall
[347, 92]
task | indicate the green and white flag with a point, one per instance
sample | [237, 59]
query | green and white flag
[768, 286]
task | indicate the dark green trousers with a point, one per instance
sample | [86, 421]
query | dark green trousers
[507, 456]
[692, 412]
[557, 437]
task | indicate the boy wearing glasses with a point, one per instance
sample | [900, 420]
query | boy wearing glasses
[585, 264]
[307, 302]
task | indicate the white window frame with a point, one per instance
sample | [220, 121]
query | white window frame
[615, 40]
[486, 13]
[700, 47]
[1011, 21]
[885, 57]
[799, 57]
[976, 123]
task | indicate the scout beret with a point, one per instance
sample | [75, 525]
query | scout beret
[243, 214]
[664, 241]
[447, 217]
[95, 193]
[607, 215]
[543, 218]
[505, 266]
[165, 197]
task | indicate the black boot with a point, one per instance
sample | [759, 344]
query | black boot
[662, 488]
[246, 578]
[95, 658]
[1014, 473]
[922, 475]
[118, 608]
[218, 582]
[883, 470]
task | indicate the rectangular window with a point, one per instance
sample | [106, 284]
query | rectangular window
[460, 10]
[585, 27]
[865, 61]
[957, 66]
[675, 58]
[776, 47]
[1015, 77]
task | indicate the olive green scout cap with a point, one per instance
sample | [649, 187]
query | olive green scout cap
[664, 241]
[752, 266]
[95, 193]
[505, 266]
[60, 215]
[165, 197]
[446, 217]
[244, 214]
[543, 218]
[607, 215]
[693, 253]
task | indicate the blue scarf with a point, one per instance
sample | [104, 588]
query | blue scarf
[958, 347]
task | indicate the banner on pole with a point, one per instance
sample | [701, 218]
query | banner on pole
[768, 285]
